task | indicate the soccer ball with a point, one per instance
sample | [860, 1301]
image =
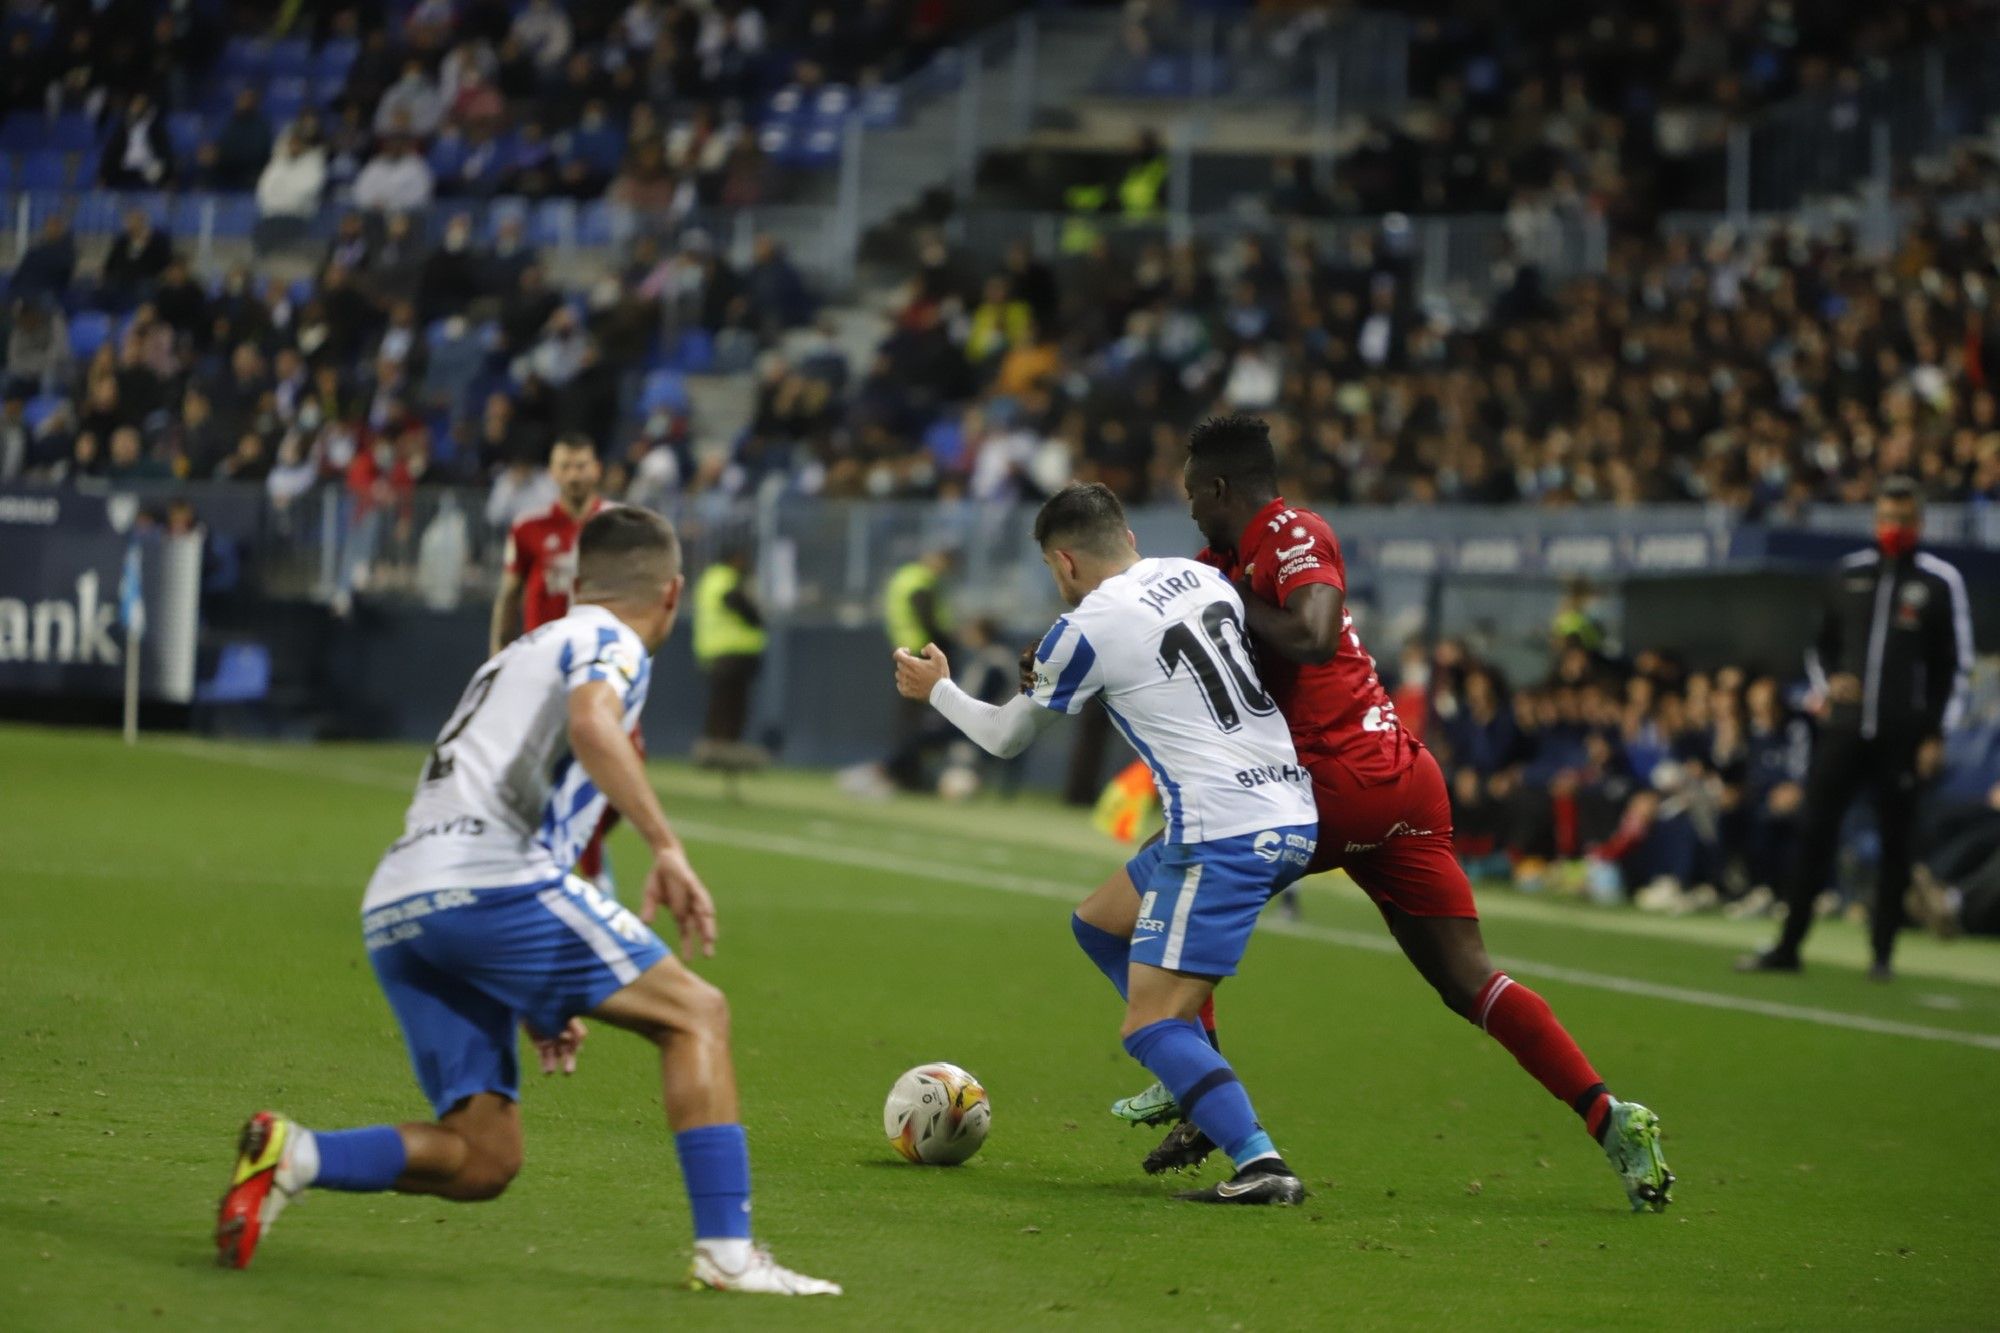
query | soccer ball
[937, 1114]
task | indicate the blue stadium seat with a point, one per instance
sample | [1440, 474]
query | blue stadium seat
[820, 147]
[73, 132]
[944, 440]
[602, 149]
[284, 98]
[594, 224]
[185, 132]
[881, 107]
[45, 170]
[833, 103]
[694, 352]
[664, 391]
[291, 56]
[336, 58]
[242, 676]
[235, 216]
[447, 155]
[40, 408]
[7, 180]
[23, 132]
[88, 331]
[554, 222]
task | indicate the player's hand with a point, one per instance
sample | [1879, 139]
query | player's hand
[558, 1053]
[1844, 688]
[917, 676]
[672, 884]
[1026, 667]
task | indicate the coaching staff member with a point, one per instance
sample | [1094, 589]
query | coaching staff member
[1890, 669]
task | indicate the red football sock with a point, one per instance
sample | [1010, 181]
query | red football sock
[1521, 1021]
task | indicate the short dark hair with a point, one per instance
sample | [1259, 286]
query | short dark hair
[572, 440]
[1898, 486]
[1236, 448]
[625, 552]
[1084, 514]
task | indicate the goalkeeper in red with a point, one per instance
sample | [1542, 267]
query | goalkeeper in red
[1384, 811]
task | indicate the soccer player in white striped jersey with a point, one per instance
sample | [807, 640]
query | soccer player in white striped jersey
[1161, 641]
[476, 927]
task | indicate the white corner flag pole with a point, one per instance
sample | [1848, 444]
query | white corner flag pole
[132, 635]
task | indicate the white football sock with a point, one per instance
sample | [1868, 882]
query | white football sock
[301, 1165]
[729, 1253]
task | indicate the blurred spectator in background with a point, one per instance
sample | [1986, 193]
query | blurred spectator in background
[136, 154]
[236, 156]
[135, 261]
[49, 264]
[729, 643]
[289, 190]
[396, 180]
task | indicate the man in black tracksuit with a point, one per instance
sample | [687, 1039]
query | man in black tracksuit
[1890, 667]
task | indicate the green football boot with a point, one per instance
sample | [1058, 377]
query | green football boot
[1631, 1139]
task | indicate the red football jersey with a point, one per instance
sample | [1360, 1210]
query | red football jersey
[1336, 709]
[541, 551]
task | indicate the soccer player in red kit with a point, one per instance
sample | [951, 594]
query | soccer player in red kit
[1385, 814]
[540, 572]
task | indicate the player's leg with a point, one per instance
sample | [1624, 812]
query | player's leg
[461, 1043]
[1837, 769]
[1102, 924]
[1205, 902]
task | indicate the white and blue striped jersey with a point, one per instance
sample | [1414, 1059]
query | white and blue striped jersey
[501, 802]
[1163, 643]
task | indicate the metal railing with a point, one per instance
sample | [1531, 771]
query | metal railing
[1827, 142]
[1460, 260]
[826, 561]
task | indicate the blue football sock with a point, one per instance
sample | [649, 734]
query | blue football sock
[1179, 1055]
[365, 1161]
[715, 1168]
[1111, 954]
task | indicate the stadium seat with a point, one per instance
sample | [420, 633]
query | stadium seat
[185, 132]
[664, 391]
[73, 132]
[40, 408]
[554, 222]
[595, 224]
[45, 170]
[88, 331]
[694, 352]
[23, 132]
[242, 678]
[336, 58]
[944, 441]
[291, 56]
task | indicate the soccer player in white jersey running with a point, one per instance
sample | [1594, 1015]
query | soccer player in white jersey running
[475, 927]
[1162, 642]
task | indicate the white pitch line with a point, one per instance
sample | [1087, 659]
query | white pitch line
[863, 858]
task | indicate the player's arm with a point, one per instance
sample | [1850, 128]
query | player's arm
[1305, 629]
[1003, 730]
[505, 626]
[601, 743]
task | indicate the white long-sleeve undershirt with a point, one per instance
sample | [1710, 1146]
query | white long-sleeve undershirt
[999, 729]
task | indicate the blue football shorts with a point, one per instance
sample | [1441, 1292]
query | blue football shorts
[462, 969]
[1198, 901]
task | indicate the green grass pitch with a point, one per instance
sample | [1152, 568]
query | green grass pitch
[179, 946]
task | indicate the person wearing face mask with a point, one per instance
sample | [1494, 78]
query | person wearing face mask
[1890, 670]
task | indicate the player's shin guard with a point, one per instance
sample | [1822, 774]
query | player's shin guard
[361, 1161]
[1111, 954]
[1522, 1021]
[1207, 1088]
[715, 1168]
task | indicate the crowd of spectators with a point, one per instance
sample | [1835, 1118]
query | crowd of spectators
[1765, 372]
[1613, 105]
[397, 362]
[653, 103]
[1638, 778]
